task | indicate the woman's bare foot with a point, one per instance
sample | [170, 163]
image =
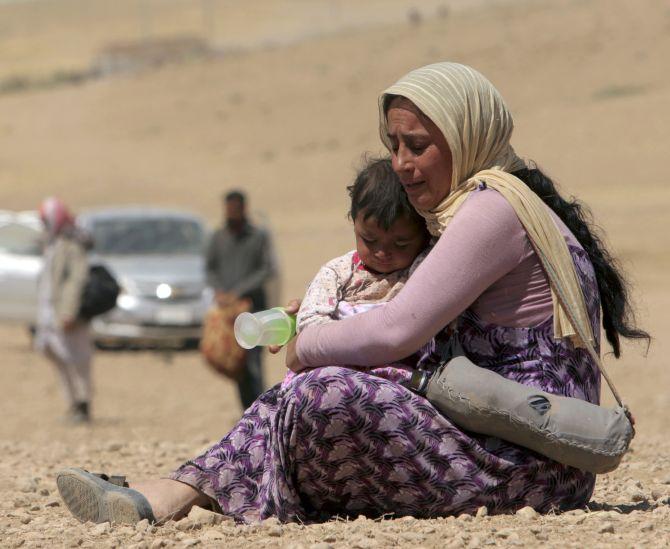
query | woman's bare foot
[170, 499]
[97, 498]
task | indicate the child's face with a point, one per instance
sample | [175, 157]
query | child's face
[388, 251]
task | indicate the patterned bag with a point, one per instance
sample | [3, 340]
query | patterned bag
[218, 345]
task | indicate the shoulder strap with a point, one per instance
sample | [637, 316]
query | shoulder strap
[553, 279]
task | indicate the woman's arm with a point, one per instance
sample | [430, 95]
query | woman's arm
[484, 241]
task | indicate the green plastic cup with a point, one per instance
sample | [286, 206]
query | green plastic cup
[270, 327]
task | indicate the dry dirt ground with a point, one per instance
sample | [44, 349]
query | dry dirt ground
[285, 109]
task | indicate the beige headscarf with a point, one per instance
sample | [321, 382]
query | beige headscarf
[474, 119]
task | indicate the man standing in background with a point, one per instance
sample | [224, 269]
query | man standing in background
[239, 262]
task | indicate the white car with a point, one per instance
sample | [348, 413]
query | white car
[20, 265]
[156, 255]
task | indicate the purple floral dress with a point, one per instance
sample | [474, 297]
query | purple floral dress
[343, 441]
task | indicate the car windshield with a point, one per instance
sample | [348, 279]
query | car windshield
[141, 236]
[19, 240]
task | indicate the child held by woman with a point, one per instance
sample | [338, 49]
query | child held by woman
[391, 241]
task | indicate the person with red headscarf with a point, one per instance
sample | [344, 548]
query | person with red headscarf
[61, 335]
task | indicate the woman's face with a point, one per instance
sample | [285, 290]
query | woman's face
[420, 154]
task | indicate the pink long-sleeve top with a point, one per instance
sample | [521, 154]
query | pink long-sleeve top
[483, 260]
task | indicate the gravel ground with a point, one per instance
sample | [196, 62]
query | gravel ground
[631, 508]
[132, 434]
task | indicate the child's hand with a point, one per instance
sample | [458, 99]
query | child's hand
[291, 308]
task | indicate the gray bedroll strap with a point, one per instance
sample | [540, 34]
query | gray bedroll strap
[553, 279]
[568, 430]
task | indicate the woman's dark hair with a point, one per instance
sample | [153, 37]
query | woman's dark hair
[618, 316]
[378, 193]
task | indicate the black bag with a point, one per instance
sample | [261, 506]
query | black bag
[99, 293]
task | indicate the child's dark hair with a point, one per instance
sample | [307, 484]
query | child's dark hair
[378, 193]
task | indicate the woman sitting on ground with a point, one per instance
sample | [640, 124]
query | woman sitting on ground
[340, 441]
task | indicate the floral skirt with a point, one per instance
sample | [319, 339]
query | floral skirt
[339, 441]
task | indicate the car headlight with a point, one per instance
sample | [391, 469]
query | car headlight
[127, 295]
[163, 291]
[126, 301]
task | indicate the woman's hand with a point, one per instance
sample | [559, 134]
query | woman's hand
[292, 361]
[291, 308]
